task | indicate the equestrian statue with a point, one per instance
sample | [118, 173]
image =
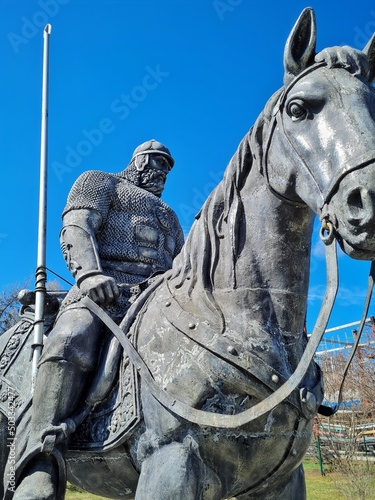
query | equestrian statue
[176, 370]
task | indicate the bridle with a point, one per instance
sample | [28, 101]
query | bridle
[276, 113]
[278, 119]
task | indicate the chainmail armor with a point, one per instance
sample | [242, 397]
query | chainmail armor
[136, 227]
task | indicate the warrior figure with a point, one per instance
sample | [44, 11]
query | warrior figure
[116, 231]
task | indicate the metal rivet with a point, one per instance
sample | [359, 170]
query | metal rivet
[275, 378]
[191, 326]
[167, 304]
[294, 452]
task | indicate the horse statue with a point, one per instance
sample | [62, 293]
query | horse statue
[224, 386]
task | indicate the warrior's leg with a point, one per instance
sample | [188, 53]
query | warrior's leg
[69, 357]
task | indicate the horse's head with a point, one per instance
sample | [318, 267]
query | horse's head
[320, 148]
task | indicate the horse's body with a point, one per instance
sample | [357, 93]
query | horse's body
[225, 327]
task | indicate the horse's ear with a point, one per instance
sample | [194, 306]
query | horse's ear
[299, 50]
[369, 50]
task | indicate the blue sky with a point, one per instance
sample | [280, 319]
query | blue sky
[192, 74]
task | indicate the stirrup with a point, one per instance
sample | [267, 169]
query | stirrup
[55, 434]
[58, 464]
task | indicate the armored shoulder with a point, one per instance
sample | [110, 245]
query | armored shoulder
[92, 190]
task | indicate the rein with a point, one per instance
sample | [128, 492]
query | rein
[205, 418]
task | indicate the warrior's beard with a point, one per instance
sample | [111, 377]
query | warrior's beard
[150, 179]
[153, 181]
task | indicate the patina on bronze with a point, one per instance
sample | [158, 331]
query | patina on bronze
[223, 329]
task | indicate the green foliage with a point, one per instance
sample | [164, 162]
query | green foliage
[75, 493]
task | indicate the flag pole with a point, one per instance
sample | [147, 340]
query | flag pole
[40, 274]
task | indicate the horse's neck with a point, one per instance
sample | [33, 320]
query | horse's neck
[246, 265]
[271, 270]
[275, 253]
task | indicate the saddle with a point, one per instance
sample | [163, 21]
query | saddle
[111, 420]
[108, 422]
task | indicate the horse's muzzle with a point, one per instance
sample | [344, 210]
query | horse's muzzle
[352, 210]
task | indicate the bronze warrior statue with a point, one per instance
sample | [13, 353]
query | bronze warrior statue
[117, 234]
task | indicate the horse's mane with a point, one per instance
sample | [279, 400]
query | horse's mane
[219, 216]
[352, 60]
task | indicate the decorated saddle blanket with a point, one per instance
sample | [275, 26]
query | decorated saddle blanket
[112, 420]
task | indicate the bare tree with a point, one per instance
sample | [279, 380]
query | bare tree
[343, 436]
[10, 304]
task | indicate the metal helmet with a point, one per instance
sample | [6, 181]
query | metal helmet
[153, 147]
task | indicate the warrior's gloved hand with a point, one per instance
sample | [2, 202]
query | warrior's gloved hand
[100, 288]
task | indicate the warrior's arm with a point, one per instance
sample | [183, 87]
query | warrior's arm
[80, 249]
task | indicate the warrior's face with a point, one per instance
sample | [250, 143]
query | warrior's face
[154, 175]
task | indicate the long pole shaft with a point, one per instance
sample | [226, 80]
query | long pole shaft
[40, 275]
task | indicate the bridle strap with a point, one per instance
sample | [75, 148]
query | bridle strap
[278, 111]
[294, 155]
[209, 419]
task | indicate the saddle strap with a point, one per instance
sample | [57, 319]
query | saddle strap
[204, 418]
[210, 340]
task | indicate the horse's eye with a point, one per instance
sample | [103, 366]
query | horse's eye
[296, 111]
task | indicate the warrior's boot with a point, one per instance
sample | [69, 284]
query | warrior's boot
[59, 387]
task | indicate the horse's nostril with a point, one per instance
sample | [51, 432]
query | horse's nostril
[360, 206]
[355, 202]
